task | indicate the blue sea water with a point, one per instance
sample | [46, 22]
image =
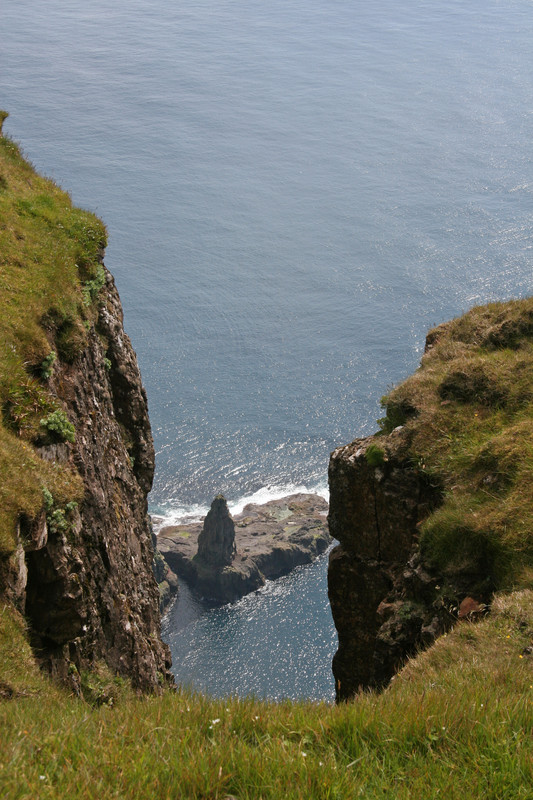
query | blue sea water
[295, 192]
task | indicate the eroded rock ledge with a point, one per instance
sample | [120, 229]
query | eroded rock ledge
[226, 558]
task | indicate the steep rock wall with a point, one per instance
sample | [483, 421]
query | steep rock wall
[87, 587]
[433, 513]
[374, 513]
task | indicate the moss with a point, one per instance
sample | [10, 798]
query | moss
[375, 456]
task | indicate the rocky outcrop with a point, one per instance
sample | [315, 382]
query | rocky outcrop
[432, 513]
[384, 601]
[167, 580]
[387, 600]
[216, 542]
[227, 558]
[82, 574]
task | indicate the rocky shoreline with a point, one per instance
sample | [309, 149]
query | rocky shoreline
[225, 558]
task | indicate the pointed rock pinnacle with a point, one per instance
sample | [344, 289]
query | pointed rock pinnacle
[216, 542]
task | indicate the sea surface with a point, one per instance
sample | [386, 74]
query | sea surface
[295, 192]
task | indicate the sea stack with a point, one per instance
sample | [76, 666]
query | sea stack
[226, 558]
[216, 542]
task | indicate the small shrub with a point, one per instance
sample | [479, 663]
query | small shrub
[409, 610]
[48, 499]
[58, 426]
[57, 518]
[57, 521]
[91, 288]
[375, 456]
[47, 365]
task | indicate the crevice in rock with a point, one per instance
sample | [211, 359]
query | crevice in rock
[52, 608]
[376, 518]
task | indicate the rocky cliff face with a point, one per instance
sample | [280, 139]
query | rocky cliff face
[83, 575]
[433, 514]
[375, 510]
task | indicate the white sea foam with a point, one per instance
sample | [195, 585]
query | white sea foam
[186, 515]
[179, 515]
[267, 493]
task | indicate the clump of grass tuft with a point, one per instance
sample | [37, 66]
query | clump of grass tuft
[375, 456]
[397, 412]
[47, 365]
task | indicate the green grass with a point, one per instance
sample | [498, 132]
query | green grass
[469, 408]
[457, 722]
[49, 275]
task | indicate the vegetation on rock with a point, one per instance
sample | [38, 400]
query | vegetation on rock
[469, 410]
[455, 722]
[76, 451]
[50, 255]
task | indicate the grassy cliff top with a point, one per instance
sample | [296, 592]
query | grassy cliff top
[50, 269]
[469, 410]
[457, 722]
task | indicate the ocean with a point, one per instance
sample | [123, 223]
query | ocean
[294, 192]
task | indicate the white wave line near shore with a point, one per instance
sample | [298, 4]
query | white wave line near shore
[186, 515]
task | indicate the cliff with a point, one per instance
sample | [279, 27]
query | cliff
[227, 558]
[434, 513]
[76, 453]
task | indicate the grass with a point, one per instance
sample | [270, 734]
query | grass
[469, 409]
[456, 722]
[49, 275]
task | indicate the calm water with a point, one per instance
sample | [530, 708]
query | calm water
[295, 191]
